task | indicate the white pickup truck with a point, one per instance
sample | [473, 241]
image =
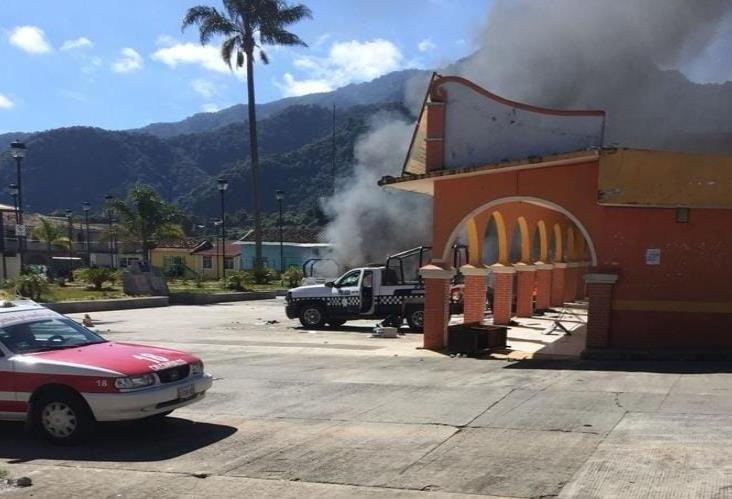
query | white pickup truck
[392, 292]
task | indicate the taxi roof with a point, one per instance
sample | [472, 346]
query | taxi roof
[18, 305]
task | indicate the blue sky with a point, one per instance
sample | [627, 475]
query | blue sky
[124, 64]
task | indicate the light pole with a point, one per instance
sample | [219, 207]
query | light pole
[86, 206]
[109, 199]
[13, 191]
[280, 195]
[70, 219]
[223, 185]
[18, 150]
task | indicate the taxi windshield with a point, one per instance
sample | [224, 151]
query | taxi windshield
[46, 334]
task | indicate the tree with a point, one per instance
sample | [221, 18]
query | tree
[246, 25]
[146, 218]
[51, 233]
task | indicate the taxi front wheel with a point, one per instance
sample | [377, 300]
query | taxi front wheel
[62, 417]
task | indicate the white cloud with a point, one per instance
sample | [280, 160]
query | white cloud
[347, 62]
[79, 43]
[425, 45]
[174, 54]
[210, 108]
[32, 39]
[292, 88]
[6, 103]
[129, 61]
[205, 88]
[93, 64]
[73, 95]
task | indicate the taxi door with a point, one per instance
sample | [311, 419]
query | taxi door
[9, 405]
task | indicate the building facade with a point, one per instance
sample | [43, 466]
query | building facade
[555, 216]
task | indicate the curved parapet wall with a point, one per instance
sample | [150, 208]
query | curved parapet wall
[481, 127]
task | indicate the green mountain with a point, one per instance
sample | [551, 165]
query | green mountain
[69, 165]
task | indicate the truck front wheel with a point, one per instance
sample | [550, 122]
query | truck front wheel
[312, 315]
[415, 318]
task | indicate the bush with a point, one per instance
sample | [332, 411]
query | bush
[97, 276]
[31, 286]
[238, 281]
[292, 277]
[264, 275]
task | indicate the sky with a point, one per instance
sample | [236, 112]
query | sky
[123, 64]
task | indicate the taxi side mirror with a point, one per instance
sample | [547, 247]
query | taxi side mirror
[330, 284]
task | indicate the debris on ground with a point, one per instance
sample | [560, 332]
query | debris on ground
[21, 482]
[87, 321]
[385, 332]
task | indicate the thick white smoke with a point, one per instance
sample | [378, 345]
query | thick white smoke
[617, 55]
[369, 223]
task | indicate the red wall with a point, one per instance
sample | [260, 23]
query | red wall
[695, 257]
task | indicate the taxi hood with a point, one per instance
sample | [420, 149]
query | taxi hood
[126, 359]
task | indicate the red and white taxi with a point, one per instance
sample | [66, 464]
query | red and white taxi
[61, 377]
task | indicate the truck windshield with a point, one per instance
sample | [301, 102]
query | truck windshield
[350, 279]
[47, 334]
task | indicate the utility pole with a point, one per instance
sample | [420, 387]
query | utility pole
[333, 150]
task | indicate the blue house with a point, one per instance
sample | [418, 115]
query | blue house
[295, 254]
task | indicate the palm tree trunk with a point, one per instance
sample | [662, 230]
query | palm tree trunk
[254, 158]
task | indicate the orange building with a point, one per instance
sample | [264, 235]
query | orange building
[646, 236]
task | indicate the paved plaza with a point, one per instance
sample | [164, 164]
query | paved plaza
[300, 413]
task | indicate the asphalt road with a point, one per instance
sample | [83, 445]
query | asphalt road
[339, 414]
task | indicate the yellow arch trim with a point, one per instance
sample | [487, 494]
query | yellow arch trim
[558, 245]
[502, 237]
[571, 249]
[475, 244]
[525, 239]
[543, 241]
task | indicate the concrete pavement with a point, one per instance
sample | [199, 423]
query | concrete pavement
[340, 414]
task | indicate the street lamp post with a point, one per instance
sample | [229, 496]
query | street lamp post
[280, 195]
[70, 219]
[110, 214]
[223, 185]
[13, 190]
[86, 206]
[18, 150]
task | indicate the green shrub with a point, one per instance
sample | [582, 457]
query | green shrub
[292, 277]
[97, 276]
[31, 286]
[239, 281]
[264, 275]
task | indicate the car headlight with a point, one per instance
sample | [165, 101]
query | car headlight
[134, 382]
[197, 368]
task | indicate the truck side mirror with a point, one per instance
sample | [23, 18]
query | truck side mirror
[330, 284]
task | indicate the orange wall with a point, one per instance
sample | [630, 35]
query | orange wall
[695, 257]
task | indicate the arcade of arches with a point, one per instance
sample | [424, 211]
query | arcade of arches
[554, 215]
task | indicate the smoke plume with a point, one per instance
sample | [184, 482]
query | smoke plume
[369, 223]
[623, 56]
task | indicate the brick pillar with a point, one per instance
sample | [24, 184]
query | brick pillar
[474, 295]
[436, 305]
[525, 282]
[557, 295]
[502, 293]
[600, 291]
[543, 285]
[570, 282]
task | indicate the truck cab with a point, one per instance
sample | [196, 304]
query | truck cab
[361, 293]
[392, 292]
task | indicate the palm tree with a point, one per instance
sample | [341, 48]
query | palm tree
[52, 234]
[146, 218]
[246, 25]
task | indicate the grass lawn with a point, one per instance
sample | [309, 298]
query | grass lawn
[177, 286]
[79, 292]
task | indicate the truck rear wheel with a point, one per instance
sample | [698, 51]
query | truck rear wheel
[312, 315]
[415, 318]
